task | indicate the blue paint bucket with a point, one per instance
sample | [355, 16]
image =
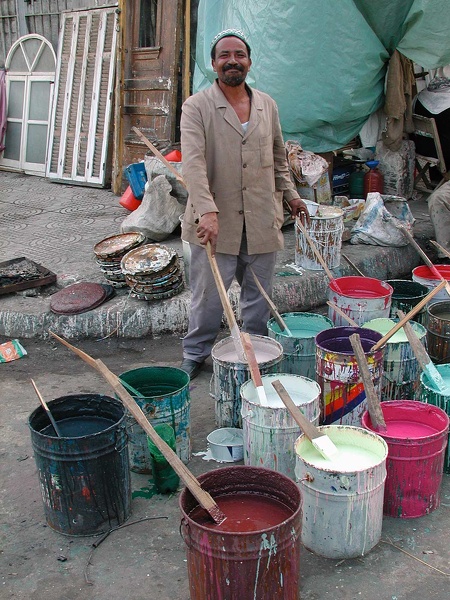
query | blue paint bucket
[299, 350]
[166, 399]
[84, 475]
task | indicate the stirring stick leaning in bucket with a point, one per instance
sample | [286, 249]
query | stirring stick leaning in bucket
[321, 442]
[273, 309]
[254, 369]
[47, 410]
[423, 358]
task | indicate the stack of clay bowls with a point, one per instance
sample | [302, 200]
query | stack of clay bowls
[153, 272]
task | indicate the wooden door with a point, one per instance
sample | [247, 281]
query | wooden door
[151, 73]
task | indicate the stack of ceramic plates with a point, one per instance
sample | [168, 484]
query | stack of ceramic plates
[153, 272]
[110, 251]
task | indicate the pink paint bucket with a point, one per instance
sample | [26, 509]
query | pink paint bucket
[416, 437]
[426, 277]
[361, 298]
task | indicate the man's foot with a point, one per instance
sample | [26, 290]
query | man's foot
[191, 367]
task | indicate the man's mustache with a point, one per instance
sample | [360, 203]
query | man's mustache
[236, 67]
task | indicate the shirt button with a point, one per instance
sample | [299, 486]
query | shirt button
[244, 165]
[244, 142]
[243, 189]
[241, 212]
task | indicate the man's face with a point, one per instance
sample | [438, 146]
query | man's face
[231, 62]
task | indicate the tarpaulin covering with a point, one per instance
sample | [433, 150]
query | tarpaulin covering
[324, 62]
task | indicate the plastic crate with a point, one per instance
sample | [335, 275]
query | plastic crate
[137, 178]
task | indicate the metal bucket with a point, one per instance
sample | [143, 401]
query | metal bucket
[84, 476]
[416, 437]
[166, 400]
[405, 297]
[343, 398]
[325, 229]
[342, 497]
[361, 298]
[401, 371]
[299, 350]
[429, 394]
[438, 331]
[249, 562]
[270, 431]
[426, 277]
[229, 374]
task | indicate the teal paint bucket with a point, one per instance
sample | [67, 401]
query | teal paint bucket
[429, 394]
[84, 475]
[299, 350]
[401, 370]
[166, 400]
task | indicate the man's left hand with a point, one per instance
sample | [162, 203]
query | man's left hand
[299, 209]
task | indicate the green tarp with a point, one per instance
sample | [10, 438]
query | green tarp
[325, 61]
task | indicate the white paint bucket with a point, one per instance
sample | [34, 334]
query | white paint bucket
[270, 431]
[424, 275]
[401, 370]
[342, 497]
[229, 374]
[360, 298]
[299, 350]
[325, 229]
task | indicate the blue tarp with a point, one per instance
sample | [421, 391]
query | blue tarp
[325, 61]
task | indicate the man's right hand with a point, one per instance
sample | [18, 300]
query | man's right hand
[208, 230]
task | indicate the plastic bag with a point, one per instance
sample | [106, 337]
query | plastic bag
[306, 166]
[378, 222]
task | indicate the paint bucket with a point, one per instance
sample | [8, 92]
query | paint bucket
[401, 370]
[429, 394]
[84, 476]
[343, 398]
[426, 277]
[229, 374]
[299, 350]
[416, 437]
[405, 297]
[342, 497]
[325, 229]
[260, 558]
[270, 431]
[166, 400]
[361, 298]
[438, 331]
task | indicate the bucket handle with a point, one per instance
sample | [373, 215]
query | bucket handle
[183, 524]
[122, 441]
[211, 383]
[308, 477]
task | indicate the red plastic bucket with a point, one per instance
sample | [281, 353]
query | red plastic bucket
[361, 298]
[426, 277]
[129, 201]
[416, 437]
[235, 560]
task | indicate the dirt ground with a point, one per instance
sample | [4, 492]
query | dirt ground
[146, 560]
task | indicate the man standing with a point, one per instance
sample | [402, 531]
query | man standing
[237, 176]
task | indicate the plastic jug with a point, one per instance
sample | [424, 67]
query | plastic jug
[373, 179]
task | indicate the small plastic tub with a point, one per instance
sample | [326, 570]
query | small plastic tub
[226, 444]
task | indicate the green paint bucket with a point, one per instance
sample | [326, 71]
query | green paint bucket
[166, 399]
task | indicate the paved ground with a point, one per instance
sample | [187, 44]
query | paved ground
[147, 561]
[58, 226]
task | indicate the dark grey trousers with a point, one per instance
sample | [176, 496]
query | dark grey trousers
[206, 307]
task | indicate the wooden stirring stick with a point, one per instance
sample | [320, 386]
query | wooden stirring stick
[254, 369]
[423, 358]
[352, 264]
[373, 401]
[47, 410]
[418, 307]
[273, 308]
[202, 496]
[441, 248]
[349, 320]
